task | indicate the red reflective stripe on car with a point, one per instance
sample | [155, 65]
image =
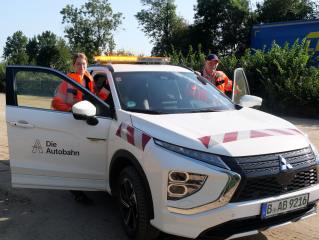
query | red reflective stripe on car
[133, 136]
[212, 140]
[145, 140]
[257, 134]
[230, 137]
[130, 135]
[205, 140]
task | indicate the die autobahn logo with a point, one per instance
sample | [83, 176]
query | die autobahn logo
[51, 147]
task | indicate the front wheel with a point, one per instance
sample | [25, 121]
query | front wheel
[133, 205]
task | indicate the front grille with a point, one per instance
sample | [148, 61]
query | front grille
[262, 187]
[263, 176]
[264, 165]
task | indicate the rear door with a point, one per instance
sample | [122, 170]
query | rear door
[49, 148]
[240, 85]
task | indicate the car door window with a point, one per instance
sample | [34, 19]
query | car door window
[36, 88]
[240, 85]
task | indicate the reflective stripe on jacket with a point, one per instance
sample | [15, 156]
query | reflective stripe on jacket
[66, 95]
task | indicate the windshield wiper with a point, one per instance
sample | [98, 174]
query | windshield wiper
[144, 111]
[205, 110]
[238, 107]
[202, 80]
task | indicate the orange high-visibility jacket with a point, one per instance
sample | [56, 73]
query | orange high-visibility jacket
[197, 93]
[66, 95]
[220, 80]
[103, 94]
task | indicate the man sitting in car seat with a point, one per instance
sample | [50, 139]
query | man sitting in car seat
[101, 86]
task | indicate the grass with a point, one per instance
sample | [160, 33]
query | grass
[34, 101]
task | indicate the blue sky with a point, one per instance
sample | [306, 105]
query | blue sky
[33, 17]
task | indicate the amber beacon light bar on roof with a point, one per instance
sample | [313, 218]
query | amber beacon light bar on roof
[131, 59]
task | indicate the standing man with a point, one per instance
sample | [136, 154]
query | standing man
[218, 78]
[66, 96]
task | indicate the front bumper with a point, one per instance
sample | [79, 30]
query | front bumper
[218, 220]
[253, 225]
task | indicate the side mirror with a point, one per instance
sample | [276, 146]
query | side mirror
[250, 101]
[85, 110]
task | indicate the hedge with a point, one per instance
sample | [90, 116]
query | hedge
[32, 83]
[282, 76]
[37, 84]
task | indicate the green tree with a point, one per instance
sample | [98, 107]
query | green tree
[286, 10]
[64, 62]
[14, 51]
[49, 50]
[192, 59]
[32, 49]
[47, 56]
[47, 38]
[89, 28]
[53, 52]
[161, 24]
[221, 26]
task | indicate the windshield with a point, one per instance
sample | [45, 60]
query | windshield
[168, 92]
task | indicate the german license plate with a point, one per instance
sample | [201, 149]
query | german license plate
[275, 208]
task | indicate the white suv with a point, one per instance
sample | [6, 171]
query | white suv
[178, 155]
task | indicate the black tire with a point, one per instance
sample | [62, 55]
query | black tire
[133, 205]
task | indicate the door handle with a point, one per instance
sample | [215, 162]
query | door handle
[96, 139]
[21, 123]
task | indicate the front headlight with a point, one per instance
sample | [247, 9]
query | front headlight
[195, 154]
[183, 184]
[315, 151]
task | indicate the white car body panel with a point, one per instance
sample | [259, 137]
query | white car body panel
[56, 131]
[158, 172]
[186, 129]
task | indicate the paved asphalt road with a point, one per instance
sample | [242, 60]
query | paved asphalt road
[31, 214]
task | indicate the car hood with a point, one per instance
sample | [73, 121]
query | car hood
[241, 132]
